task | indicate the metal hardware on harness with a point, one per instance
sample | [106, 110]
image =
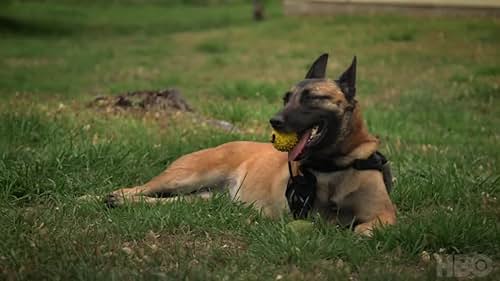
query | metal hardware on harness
[301, 189]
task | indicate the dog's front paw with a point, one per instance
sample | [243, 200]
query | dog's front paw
[364, 229]
[113, 200]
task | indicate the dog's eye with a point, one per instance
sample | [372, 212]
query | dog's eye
[286, 98]
[308, 96]
[321, 97]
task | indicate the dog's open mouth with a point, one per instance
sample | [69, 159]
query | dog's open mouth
[308, 138]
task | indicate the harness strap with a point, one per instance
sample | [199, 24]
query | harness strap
[301, 189]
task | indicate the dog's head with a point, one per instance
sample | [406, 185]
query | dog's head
[316, 109]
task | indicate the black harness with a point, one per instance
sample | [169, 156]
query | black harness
[301, 189]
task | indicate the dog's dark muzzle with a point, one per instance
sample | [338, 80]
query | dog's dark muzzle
[278, 122]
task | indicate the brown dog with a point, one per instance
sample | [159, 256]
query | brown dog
[333, 140]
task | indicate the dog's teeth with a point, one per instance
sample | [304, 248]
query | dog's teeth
[314, 133]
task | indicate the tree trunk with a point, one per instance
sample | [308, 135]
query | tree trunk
[258, 10]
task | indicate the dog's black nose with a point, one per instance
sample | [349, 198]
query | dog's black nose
[277, 122]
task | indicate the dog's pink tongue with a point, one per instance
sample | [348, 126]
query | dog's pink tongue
[299, 148]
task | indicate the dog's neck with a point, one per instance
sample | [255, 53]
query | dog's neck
[354, 140]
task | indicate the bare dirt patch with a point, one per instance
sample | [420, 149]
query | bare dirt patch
[161, 104]
[168, 100]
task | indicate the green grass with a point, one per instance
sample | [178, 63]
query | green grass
[429, 89]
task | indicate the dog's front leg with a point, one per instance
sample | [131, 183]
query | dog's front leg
[186, 176]
[118, 198]
[371, 207]
[387, 217]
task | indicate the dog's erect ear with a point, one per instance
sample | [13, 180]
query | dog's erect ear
[318, 68]
[347, 81]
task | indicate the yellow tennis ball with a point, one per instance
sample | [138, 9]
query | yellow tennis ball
[284, 141]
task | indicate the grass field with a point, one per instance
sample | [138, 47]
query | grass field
[429, 88]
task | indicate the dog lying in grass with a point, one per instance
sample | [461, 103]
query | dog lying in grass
[332, 168]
